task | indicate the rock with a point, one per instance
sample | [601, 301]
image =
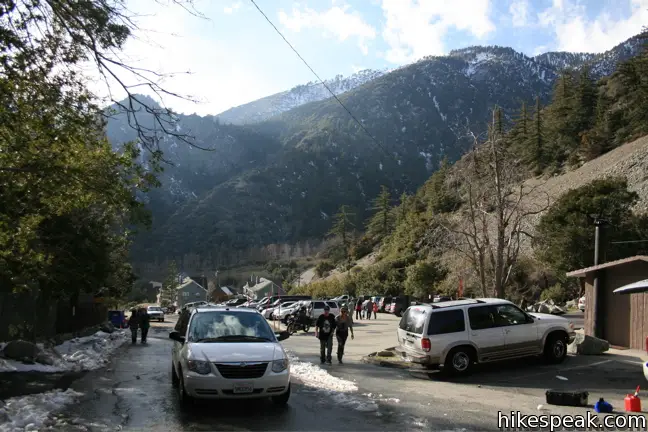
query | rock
[385, 353]
[543, 308]
[571, 304]
[107, 327]
[21, 350]
[588, 345]
[45, 357]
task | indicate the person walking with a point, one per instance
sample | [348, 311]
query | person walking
[369, 309]
[375, 310]
[133, 325]
[358, 309]
[145, 323]
[343, 325]
[324, 329]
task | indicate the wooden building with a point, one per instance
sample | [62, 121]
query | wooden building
[624, 317]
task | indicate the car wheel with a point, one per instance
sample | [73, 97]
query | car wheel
[175, 381]
[183, 397]
[555, 349]
[282, 399]
[306, 329]
[459, 361]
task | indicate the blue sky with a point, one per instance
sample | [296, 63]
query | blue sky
[235, 56]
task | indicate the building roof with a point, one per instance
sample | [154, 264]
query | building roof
[188, 281]
[584, 271]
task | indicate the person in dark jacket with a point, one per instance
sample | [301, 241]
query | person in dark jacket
[343, 325]
[133, 325]
[145, 323]
[324, 330]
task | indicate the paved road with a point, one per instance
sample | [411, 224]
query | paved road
[135, 393]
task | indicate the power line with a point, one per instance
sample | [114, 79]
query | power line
[320, 79]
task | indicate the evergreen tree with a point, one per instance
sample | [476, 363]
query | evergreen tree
[403, 207]
[587, 101]
[519, 135]
[342, 225]
[562, 119]
[536, 154]
[381, 223]
[167, 294]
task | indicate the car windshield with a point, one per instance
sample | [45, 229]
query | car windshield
[155, 308]
[226, 326]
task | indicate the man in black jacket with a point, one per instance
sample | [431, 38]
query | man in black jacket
[324, 330]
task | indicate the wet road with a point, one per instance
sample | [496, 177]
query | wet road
[135, 393]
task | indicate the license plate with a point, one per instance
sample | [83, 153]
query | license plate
[243, 388]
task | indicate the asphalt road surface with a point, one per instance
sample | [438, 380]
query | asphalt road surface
[135, 393]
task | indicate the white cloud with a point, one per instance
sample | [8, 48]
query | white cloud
[415, 29]
[575, 32]
[233, 8]
[356, 68]
[519, 11]
[337, 21]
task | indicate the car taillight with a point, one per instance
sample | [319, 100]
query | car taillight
[425, 344]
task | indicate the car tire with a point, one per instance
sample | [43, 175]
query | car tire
[306, 329]
[281, 399]
[459, 361]
[175, 381]
[555, 349]
[184, 399]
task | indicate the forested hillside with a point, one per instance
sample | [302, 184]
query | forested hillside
[282, 180]
[474, 220]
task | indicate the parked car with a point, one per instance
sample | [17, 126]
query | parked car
[400, 304]
[316, 308]
[457, 334]
[384, 304]
[581, 304]
[228, 353]
[155, 313]
[268, 313]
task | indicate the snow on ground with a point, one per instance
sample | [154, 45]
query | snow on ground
[79, 354]
[342, 392]
[33, 412]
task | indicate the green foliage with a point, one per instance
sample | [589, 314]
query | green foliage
[323, 268]
[565, 234]
[342, 225]
[422, 277]
[382, 222]
[167, 294]
[68, 198]
[556, 293]
[364, 246]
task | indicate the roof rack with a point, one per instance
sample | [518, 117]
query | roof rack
[441, 305]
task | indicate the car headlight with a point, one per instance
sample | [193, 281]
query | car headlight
[199, 366]
[279, 365]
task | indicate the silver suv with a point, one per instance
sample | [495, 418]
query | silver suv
[457, 334]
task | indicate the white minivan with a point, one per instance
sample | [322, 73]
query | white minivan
[228, 353]
[457, 334]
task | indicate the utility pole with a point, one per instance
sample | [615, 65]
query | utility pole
[598, 292]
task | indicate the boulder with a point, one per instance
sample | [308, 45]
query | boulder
[571, 304]
[107, 327]
[543, 308]
[21, 350]
[588, 345]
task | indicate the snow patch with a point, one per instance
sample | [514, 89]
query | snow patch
[79, 354]
[32, 413]
[436, 104]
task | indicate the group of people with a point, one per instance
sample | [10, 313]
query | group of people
[328, 325]
[139, 319]
[365, 310]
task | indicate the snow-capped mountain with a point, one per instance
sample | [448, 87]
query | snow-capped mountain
[281, 180]
[270, 106]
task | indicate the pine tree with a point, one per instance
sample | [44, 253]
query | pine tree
[381, 223]
[536, 155]
[519, 135]
[403, 208]
[167, 294]
[562, 119]
[342, 225]
[586, 100]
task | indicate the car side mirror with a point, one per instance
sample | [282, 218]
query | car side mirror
[282, 336]
[174, 335]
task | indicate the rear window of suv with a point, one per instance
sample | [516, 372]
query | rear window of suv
[332, 305]
[318, 305]
[413, 320]
[448, 321]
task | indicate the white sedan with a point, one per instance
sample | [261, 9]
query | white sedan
[267, 313]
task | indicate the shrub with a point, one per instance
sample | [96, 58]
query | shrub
[323, 267]
[556, 293]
